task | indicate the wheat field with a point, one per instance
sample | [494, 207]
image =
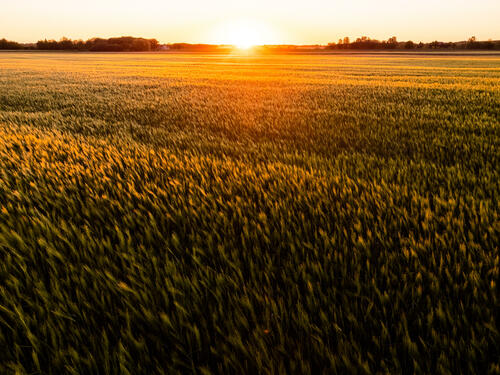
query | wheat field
[190, 213]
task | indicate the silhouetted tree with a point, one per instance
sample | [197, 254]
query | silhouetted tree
[365, 43]
[409, 45]
[6, 44]
[471, 43]
[65, 44]
[434, 44]
[122, 44]
[392, 43]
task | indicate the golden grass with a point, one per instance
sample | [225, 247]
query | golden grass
[270, 214]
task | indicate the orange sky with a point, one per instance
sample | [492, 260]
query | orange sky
[263, 21]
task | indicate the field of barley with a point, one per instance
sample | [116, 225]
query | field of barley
[302, 214]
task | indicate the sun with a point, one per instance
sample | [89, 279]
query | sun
[245, 37]
[243, 34]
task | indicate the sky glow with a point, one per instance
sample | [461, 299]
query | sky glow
[271, 22]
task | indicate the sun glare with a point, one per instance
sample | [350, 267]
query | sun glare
[244, 34]
[245, 37]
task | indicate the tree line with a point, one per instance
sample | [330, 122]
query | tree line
[132, 44]
[7, 44]
[121, 44]
[365, 42]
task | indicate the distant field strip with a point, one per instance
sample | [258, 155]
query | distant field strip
[189, 213]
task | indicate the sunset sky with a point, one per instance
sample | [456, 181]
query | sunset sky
[262, 21]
